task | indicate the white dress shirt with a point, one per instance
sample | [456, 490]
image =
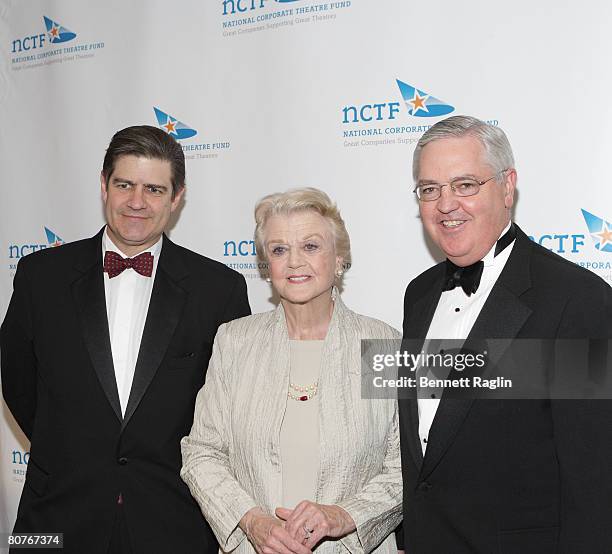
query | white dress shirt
[454, 318]
[127, 303]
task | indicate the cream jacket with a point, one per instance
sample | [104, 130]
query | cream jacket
[231, 458]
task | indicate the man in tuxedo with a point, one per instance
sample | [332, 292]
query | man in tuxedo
[104, 347]
[485, 476]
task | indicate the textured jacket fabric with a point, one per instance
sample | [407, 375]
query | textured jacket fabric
[231, 459]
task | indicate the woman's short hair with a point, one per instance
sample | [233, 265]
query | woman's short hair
[301, 200]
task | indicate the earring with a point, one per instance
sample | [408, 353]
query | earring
[339, 273]
[268, 280]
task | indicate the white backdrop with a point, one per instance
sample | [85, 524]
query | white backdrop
[267, 90]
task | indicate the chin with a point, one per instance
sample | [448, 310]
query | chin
[297, 299]
[136, 238]
[457, 246]
[451, 251]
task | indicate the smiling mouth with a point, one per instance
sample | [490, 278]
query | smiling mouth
[298, 278]
[453, 223]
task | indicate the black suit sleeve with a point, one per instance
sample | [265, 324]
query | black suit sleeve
[18, 361]
[582, 433]
[238, 303]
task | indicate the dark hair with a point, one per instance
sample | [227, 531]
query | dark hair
[148, 142]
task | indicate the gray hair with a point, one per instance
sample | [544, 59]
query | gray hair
[297, 200]
[493, 139]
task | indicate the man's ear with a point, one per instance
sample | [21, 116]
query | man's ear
[103, 187]
[178, 196]
[510, 187]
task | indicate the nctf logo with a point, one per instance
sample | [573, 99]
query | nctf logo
[173, 126]
[418, 102]
[17, 251]
[421, 104]
[181, 131]
[55, 34]
[600, 230]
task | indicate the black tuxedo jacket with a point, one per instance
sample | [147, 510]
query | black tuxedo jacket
[58, 381]
[513, 476]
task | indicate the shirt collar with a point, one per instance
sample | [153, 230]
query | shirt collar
[490, 258]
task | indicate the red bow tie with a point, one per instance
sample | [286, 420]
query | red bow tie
[114, 264]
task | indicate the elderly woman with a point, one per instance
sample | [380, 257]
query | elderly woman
[284, 455]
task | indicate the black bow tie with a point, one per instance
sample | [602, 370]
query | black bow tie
[468, 277]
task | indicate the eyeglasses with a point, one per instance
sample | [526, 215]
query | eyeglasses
[461, 187]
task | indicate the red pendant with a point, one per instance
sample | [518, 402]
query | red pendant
[302, 398]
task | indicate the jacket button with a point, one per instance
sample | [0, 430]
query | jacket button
[122, 461]
[424, 486]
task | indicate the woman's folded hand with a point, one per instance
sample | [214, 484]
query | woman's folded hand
[309, 522]
[268, 535]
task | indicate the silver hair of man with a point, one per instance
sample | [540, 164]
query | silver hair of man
[495, 142]
[301, 200]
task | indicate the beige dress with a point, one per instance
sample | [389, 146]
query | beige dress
[299, 437]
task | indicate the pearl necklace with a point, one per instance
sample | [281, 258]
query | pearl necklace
[307, 393]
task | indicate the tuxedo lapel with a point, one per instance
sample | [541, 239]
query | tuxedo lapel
[501, 317]
[421, 313]
[409, 416]
[504, 313]
[416, 322]
[165, 309]
[90, 302]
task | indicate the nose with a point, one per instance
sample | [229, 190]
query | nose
[448, 201]
[137, 198]
[295, 258]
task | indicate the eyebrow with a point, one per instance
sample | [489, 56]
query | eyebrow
[459, 177]
[280, 241]
[121, 180]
